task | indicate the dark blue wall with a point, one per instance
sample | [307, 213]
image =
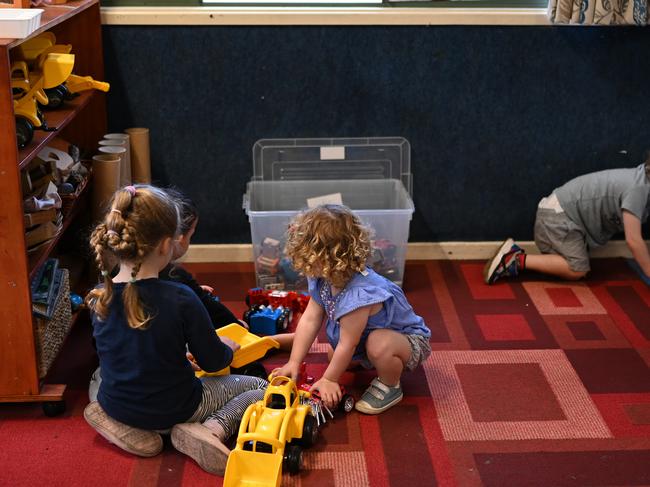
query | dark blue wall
[496, 116]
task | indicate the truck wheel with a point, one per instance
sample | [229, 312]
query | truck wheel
[254, 369]
[293, 458]
[24, 131]
[309, 431]
[347, 403]
[56, 96]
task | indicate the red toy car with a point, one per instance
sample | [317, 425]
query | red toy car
[297, 302]
[346, 404]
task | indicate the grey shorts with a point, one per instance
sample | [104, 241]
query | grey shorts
[420, 351]
[555, 233]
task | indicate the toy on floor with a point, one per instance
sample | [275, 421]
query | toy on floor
[319, 409]
[296, 301]
[267, 320]
[244, 361]
[272, 434]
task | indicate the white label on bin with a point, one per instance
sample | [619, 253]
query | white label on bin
[328, 199]
[330, 153]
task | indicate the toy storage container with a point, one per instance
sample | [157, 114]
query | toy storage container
[18, 23]
[372, 176]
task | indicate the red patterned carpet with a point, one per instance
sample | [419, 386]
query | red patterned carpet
[532, 383]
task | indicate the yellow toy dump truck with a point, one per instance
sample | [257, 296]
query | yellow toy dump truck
[272, 434]
[252, 348]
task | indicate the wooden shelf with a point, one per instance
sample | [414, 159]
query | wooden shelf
[38, 257]
[52, 15]
[81, 121]
[58, 118]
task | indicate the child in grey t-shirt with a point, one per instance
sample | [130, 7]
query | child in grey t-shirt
[583, 214]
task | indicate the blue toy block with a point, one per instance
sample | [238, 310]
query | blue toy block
[265, 321]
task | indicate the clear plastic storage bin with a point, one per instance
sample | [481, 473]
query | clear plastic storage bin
[372, 176]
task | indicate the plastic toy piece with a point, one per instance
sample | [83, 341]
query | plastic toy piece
[267, 320]
[271, 435]
[34, 51]
[384, 258]
[297, 301]
[252, 348]
[29, 91]
[346, 404]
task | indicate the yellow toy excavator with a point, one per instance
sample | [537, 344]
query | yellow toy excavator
[35, 51]
[29, 90]
[272, 434]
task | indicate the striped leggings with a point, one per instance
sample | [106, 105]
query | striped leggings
[226, 397]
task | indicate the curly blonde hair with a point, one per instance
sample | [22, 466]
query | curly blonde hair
[140, 218]
[328, 241]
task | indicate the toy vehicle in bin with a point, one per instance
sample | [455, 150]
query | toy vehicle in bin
[269, 259]
[384, 258]
[244, 360]
[272, 434]
[267, 320]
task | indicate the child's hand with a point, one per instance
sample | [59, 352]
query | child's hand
[289, 369]
[195, 366]
[244, 324]
[207, 289]
[330, 392]
[234, 346]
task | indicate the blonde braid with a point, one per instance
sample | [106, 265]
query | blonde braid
[99, 299]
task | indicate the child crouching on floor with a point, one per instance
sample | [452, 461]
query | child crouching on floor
[142, 326]
[368, 318]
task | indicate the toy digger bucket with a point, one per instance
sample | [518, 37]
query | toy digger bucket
[248, 468]
[56, 69]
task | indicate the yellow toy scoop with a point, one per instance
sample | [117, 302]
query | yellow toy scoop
[253, 347]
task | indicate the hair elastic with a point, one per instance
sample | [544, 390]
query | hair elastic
[115, 210]
[131, 190]
[105, 273]
[132, 280]
[112, 232]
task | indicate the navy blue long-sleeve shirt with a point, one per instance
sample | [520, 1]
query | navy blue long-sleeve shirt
[147, 381]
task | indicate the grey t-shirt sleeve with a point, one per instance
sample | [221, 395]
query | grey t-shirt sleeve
[635, 201]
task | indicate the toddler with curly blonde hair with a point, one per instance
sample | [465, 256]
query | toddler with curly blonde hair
[368, 318]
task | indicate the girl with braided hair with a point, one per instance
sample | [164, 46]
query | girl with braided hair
[143, 326]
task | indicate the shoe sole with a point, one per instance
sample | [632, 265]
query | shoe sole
[362, 408]
[97, 418]
[198, 447]
[494, 262]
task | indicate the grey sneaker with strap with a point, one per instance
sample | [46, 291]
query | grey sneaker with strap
[379, 397]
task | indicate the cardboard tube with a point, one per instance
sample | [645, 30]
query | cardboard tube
[124, 140]
[106, 180]
[140, 156]
[125, 162]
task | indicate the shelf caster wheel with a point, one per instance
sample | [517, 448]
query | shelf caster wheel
[53, 408]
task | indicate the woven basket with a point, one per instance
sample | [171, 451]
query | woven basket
[50, 334]
[68, 200]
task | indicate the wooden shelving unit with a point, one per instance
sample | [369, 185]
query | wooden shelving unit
[81, 121]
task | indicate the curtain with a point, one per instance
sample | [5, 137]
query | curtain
[598, 12]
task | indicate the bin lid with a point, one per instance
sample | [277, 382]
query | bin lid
[332, 159]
